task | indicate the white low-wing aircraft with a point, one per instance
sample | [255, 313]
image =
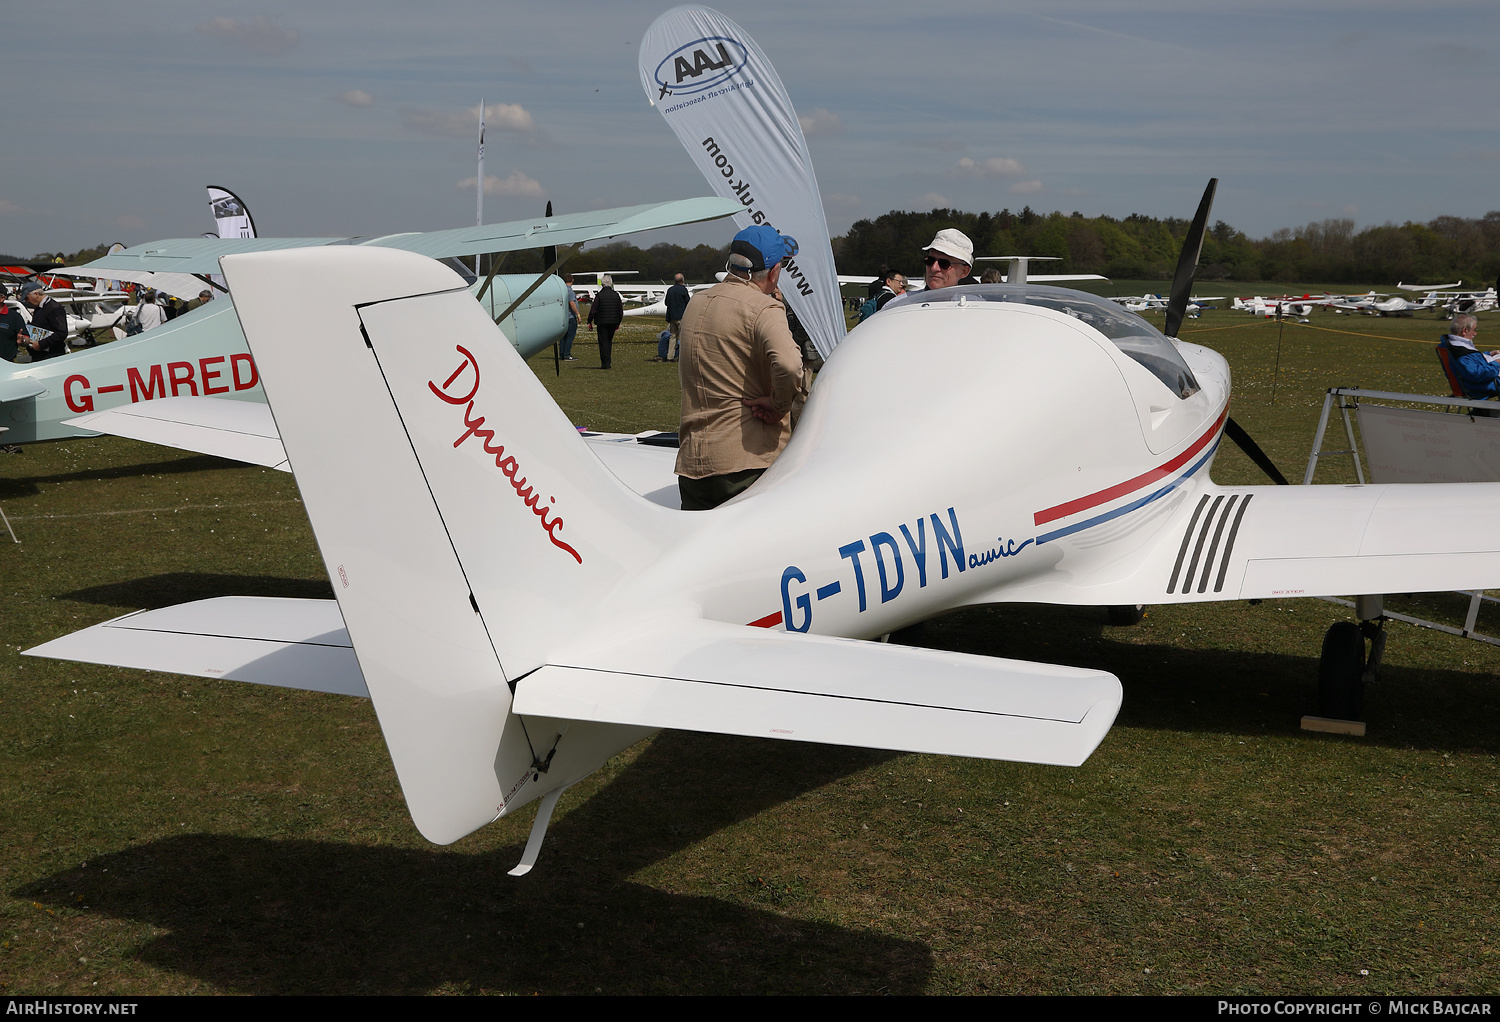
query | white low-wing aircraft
[519, 612]
[203, 353]
[1159, 303]
[87, 311]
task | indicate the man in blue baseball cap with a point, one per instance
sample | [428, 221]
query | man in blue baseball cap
[741, 371]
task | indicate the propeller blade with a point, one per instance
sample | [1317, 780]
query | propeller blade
[549, 254]
[1187, 262]
[1242, 440]
[549, 258]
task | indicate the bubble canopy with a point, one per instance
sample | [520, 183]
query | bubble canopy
[1137, 338]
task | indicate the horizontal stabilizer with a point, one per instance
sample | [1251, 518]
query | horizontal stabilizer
[281, 642]
[731, 679]
[20, 389]
[238, 430]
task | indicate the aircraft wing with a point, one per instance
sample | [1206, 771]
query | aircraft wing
[238, 430]
[178, 285]
[1427, 287]
[201, 255]
[1258, 542]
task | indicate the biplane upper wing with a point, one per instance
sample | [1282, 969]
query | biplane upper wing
[201, 255]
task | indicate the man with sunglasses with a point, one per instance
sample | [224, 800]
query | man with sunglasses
[740, 371]
[947, 259]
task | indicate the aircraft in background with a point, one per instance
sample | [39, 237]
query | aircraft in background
[586, 289]
[203, 353]
[1157, 303]
[1471, 301]
[1373, 303]
[87, 311]
[1017, 272]
[1451, 299]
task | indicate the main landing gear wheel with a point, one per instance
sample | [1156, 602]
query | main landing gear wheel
[1341, 672]
[1128, 614]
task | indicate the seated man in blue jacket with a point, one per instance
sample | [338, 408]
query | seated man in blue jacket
[1478, 376]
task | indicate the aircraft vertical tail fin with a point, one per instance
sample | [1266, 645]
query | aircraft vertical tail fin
[464, 523]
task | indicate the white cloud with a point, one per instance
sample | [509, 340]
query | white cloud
[501, 116]
[356, 97]
[130, 222]
[820, 121]
[508, 117]
[995, 166]
[1025, 187]
[518, 185]
[257, 34]
[838, 200]
[6, 206]
[932, 200]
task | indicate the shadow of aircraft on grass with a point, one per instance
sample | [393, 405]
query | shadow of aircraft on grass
[171, 588]
[1228, 688]
[26, 486]
[268, 916]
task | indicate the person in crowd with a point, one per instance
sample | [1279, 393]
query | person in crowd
[565, 347]
[947, 259]
[741, 374]
[677, 303]
[606, 312]
[49, 324]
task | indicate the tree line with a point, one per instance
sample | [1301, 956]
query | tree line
[1138, 247]
[1146, 248]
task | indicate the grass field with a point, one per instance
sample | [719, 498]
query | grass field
[165, 834]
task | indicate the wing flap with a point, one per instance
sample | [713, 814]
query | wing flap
[279, 642]
[239, 430]
[731, 679]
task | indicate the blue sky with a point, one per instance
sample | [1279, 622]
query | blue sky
[345, 118]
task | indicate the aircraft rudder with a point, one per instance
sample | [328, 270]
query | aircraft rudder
[436, 675]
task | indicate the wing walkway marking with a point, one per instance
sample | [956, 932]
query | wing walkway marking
[1217, 517]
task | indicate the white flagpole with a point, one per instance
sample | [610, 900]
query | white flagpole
[479, 183]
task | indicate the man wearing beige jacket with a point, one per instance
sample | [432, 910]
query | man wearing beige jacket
[740, 371]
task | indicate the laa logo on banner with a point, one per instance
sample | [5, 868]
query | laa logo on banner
[720, 54]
